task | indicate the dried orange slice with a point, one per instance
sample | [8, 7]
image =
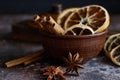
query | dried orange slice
[111, 40]
[94, 16]
[64, 15]
[115, 55]
[114, 43]
[79, 29]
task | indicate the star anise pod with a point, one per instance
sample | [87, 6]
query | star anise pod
[54, 73]
[73, 62]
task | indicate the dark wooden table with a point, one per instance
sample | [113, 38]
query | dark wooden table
[99, 68]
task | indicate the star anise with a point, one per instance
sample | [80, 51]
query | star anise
[73, 62]
[54, 73]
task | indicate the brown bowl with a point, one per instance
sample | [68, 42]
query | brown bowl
[88, 46]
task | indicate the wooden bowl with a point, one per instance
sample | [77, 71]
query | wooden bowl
[88, 46]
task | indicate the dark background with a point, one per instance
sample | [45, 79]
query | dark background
[36, 6]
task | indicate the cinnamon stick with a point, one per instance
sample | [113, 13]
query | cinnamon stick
[57, 29]
[32, 60]
[38, 21]
[23, 59]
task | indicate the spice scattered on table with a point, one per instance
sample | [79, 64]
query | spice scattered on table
[73, 62]
[54, 73]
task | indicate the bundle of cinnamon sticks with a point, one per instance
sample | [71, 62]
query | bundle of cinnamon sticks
[26, 59]
[48, 24]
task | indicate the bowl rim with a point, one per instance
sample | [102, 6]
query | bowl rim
[43, 33]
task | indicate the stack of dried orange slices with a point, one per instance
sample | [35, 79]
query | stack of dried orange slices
[87, 20]
[112, 48]
[90, 19]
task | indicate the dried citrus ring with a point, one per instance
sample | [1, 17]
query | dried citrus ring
[79, 29]
[115, 55]
[108, 43]
[94, 16]
[114, 43]
[64, 15]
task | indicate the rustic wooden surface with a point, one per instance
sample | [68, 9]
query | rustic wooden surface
[99, 68]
